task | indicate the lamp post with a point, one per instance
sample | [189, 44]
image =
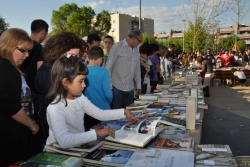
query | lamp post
[140, 15]
[184, 35]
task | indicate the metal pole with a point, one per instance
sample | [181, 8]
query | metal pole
[184, 36]
[140, 14]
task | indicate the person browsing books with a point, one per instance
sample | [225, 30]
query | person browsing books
[67, 106]
[97, 85]
[16, 127]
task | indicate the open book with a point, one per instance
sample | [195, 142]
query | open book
[138, 133]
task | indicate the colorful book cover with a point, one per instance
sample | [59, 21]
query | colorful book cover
[242, 161]
[110, 156]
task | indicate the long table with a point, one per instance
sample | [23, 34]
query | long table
[225, 73]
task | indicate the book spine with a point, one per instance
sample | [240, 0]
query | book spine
[190, 112]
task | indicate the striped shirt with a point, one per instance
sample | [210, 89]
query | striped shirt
[124, 66]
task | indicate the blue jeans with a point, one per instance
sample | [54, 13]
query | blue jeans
[121, 99]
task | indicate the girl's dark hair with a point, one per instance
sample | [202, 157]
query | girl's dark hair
[68, 68]
[58, 45]
[146, 48]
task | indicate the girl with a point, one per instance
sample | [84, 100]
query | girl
[67, 106]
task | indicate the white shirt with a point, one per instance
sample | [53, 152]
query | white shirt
[66, 124]
[240, 74]
[123, 65]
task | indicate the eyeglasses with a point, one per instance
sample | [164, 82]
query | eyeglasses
[23, 50]
[137, 39]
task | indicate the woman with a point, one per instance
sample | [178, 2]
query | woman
[146, 67]
[207, 69]
[62, 44]
[15, 124]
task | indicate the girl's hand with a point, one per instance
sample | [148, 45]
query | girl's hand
[130, 116]
[147, 69]
[105, 132]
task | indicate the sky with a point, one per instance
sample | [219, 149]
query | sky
[20, 13]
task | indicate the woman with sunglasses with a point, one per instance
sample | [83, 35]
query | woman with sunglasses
[61, 44]
[16, 126]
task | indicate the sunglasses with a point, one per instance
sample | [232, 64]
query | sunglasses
[23, 50]
[68, 55]
[137, 39]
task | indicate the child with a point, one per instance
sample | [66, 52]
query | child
[168, 66]
[237, 76]
[108, 42]
[67, 106]
[97, 85]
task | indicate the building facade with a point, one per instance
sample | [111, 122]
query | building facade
[243, 32]
[121, 24]
[170, 34]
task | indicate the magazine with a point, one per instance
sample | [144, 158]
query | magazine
[214, 154]
[168, 142]
[138, 133]
[108, 157]
[153, 157]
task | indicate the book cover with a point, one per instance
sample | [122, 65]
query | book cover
[153, 157]
[51, 148]
[214, 154]
[138, 133]
[242, 161]
[56, 159]
[168, 142]
[173, 121]
[87, 147]
[174, 132]
[137, 105]
[108, 157]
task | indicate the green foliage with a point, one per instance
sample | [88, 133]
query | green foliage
[102, 24]
[80, 21]
[229, 43]
[3, 25]
[195, 37]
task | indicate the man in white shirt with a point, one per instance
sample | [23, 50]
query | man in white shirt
[123, 65]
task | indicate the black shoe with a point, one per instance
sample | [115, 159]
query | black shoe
[206, 95]
[231, 85]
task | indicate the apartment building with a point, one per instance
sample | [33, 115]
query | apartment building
[243, 32]
[170, 34]
[121, 24]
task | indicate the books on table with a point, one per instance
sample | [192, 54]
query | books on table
[242, 161]
[215, 155]
[174, 132]
[51, 148]
[170, 142]
[172, 121]
[56, 159]
[138, 133]
[108, 157]
[149, 96]
[161, 158]
[137, 105]
[87, 147]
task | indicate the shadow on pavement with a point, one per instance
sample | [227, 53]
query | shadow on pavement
[223, 127]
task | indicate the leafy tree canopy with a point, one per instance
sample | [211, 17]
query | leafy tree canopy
[3, 25]
[80, 21]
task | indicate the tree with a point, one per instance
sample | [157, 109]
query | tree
[201, 15]
[80, 21]
[102, 24]
[240, 8]
[228, 43]
[199, 33]
[3, 25]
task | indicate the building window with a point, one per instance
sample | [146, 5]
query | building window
[146, 24]
[113, 21]
[113, 30]
[129, 22]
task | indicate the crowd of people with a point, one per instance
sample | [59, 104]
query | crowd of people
[71, 85]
